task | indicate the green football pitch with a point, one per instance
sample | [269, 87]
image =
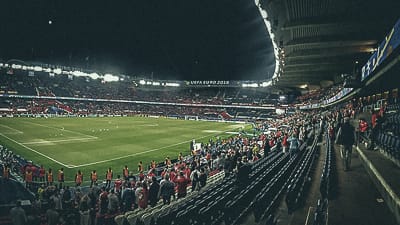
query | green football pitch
[88, 144]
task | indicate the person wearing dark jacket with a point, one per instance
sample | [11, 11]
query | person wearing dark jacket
[153, 192]
[346, 138]
[17, 214]
[202, 178]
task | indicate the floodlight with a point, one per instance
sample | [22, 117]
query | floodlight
[37, 68]
[109, 77]
[57, 71]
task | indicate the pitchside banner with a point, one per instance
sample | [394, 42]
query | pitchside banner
[391, 42]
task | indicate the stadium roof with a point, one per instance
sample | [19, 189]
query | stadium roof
[322, 39]
[191, 40]
[318, 40]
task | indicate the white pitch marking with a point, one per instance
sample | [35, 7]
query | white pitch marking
[147, 151]
[33, 150]
[212, 131]
[17, 131]
[149, 125]
[62, 129]
[55, 141]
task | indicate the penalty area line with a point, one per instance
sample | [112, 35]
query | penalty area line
[147, 151]
[56, 141]
[33, 150]
[16, 131]
[61, 129]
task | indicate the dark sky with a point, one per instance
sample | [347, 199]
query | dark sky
[191, 40]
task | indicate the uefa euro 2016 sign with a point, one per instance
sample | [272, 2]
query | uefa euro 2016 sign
[208, 82]
[388, 45]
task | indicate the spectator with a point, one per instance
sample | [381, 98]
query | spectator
[128, 198]
[167, 189]
[84, 210]
[195, 180]
[53, 217]
[118, 185]
[346, 138]
[284, 143]
[294, 145]
[17, 214]
[202, 178]
[113, 202]
[67, 198]
[40, 192]
[28, 178]
[153, 192]
[56, 200]
[6, 173]
[244, 170]
[143, 196]
[181, 182]
[103, 204]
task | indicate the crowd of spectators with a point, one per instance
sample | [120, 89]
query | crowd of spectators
[84, 87]
[316, 96]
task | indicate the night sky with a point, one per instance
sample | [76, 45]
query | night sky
[190, 40]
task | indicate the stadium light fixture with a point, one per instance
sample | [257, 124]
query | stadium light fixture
[13, 66]
[252, 85]
[142, 82]
[77, 73]
[304, 86]
[37, 68]
[264, 14]
[155, 83]
[94, 76]
[109, 78]
[266, 83]
[57, 71]
[172, 84]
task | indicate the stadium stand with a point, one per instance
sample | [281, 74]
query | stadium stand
[233, 181]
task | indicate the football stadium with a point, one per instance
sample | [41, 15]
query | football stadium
[265, 112]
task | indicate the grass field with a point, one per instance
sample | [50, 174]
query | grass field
[99, 143]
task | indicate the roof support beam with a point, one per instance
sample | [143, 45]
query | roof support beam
[326, 43]
[330, 52]
[328, 22]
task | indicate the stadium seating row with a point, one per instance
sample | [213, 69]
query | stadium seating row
[329, 175]
[328, 184]
[390, 144]
[300, 179]
[393, 107]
